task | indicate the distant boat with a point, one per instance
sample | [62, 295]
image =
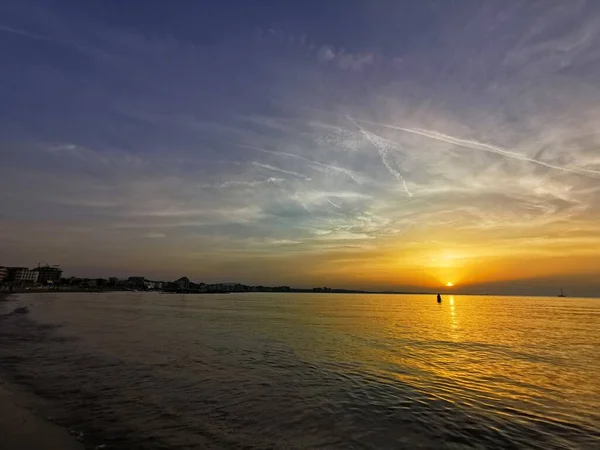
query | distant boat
[562, 294]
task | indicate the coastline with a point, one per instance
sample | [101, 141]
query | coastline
[21, 428]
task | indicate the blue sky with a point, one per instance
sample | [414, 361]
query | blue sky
[369, 144]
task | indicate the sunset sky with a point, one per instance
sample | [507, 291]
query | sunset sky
[363, 144]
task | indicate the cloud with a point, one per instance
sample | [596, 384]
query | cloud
[475, 145]
[24, 33]
[316, 165]
[326, 53]
[343, 59]
[155, 235]
[349, 61]
[277, 169]
[283, 242]
[382, 147]
[68, 43]
[245, 184]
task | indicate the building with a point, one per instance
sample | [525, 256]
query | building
[22, 275]
[136, 282]
[89, 282]
[222, 287]
[3, 273]
[153, 284]
[229, 287]
[48, 274]
[182, 283]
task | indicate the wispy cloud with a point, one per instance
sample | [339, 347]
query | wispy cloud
[244, 184]
[155, 235]
[72, 44]
[24, 33]
[277, 169]
[383, 148]
[328, 168]
[344, 60]
[475, 145]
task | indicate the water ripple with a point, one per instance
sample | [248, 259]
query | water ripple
[269, 371]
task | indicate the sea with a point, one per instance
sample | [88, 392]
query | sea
[309, 371]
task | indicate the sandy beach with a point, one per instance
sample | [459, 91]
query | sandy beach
[21, 428]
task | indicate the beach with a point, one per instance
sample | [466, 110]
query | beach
[22, 428]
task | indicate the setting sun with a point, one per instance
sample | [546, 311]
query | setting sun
[449, 284]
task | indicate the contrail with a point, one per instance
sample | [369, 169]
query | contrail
[485, 147]
[384, 157]
[28, 34]
[330, 167]
[39, 37]
[277, 169]
[334, 204]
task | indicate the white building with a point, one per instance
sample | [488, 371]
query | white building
[23, 275]
[153, 284]
[3, 273]
[48, 274]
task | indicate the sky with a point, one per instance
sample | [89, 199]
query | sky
[375, 145]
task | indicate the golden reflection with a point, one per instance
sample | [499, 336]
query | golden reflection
[472, 351]
[452, 313]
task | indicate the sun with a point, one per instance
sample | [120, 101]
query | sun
[449, 284]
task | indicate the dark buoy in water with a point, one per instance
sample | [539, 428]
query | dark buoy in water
[439, 298]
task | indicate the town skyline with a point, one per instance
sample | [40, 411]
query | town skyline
[218, 285]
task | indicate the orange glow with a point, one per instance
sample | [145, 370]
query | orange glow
[429, 263]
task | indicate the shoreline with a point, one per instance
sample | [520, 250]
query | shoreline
[21, 428]
[21, 425]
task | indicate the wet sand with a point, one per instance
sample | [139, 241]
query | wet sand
[22, 429]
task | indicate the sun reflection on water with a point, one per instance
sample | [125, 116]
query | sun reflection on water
[491, 354]
[452, 313]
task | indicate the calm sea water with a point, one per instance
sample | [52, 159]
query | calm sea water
[291, 371]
